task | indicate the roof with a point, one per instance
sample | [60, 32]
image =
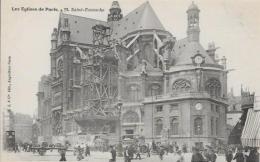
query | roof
[251, 132]
[193, 6]
[141, 18]
[81, 27]
[185, 49]
[115, 5]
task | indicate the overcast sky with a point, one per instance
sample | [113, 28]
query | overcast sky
[234, 26]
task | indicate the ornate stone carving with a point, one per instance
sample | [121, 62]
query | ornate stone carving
[57, 122]
[60, 68]
[130, 117]
[155, 89]
[213, 87]
[144, 64]
[181, 84]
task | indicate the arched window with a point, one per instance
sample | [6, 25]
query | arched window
[181, 85]
[130, 117]
[174, 130]
[198, 126]
[158, 126]
[134, 92]
[213, 87]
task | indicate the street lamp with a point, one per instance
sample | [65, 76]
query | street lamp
[119, 107]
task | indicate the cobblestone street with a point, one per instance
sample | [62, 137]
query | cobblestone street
[95, 157]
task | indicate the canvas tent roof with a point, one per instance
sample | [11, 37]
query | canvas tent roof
[251, 132]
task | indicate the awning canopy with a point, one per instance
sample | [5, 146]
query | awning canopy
[251, 132]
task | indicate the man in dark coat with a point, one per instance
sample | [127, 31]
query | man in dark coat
[206, 155]
[113, 154]
[138, 153]
[87, 150]
[229, 156]
[196, 156]
[212, 156]
[239, 157]
[253, 156]
[62, 154]
[126, 155]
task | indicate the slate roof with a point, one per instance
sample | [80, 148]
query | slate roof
[184, 50]
[81, 28]
[141, 18]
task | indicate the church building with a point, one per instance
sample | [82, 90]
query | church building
[129, 78]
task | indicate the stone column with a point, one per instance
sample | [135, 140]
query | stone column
[143, 78]
[166, 82]
[120, 87]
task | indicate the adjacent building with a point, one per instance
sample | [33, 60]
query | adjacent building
[247, 103]
[23, 128]
[43, 130]
[128, 77]
[8, 121]
[234, 111]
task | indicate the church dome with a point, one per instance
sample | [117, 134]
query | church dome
[115, 4]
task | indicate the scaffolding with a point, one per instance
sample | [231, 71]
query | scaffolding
[101, 35]
[99, 83]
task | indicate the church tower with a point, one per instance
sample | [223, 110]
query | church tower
[114, 12]
[193, 30]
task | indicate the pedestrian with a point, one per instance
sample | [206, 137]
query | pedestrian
[239, 157]
[256, 155]
[229, 156]
[180, 157]
[63, 154]
[246, 155]
[196, 156]
[161, 153]
[138, 153]
[28, 148]
[212, 156]
[75, 149]
[154, 147]
[184, 148]
[113, 154]
[126, 155]
[80, 152]
[206, 155]
[177, 147]
[16, 149]
[148, 151]
[253, 156]
[87, 150]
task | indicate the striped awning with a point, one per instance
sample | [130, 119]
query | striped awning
[251, 132]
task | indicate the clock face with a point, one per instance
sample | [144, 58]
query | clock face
[198, 59]
[198, 106]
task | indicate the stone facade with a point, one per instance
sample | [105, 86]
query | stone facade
[129, 77]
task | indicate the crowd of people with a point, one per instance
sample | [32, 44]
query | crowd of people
[140, 151]
[18, 147]
[239, 155]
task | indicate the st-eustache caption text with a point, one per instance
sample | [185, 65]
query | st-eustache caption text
[54, 9]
